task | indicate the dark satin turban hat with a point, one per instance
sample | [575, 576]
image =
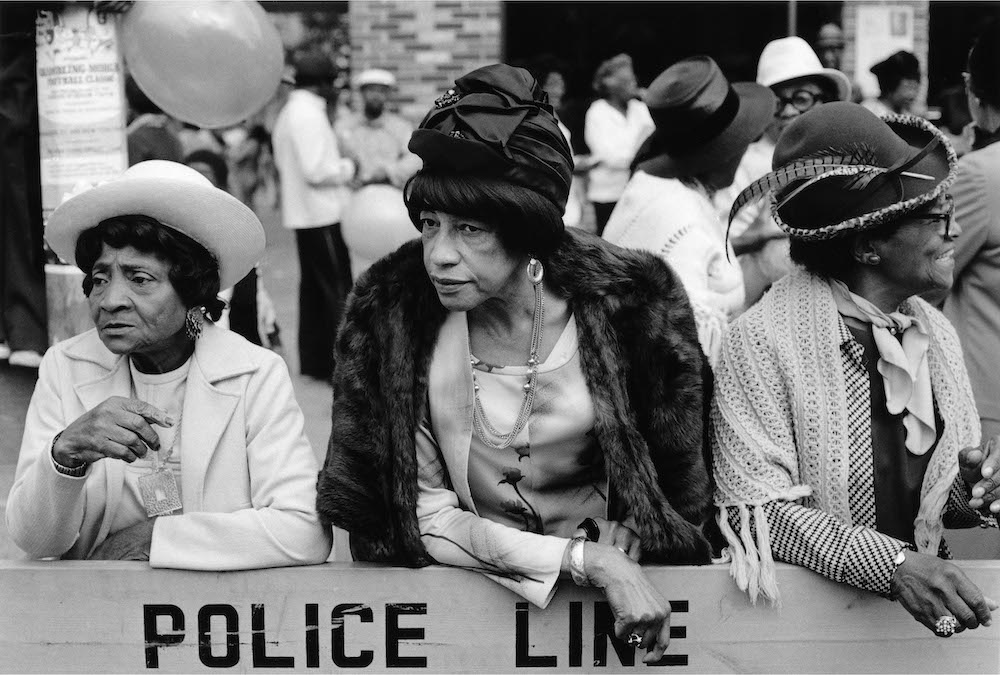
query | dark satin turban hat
[496, 122]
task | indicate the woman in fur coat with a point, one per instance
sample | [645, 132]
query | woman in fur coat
[511, 397]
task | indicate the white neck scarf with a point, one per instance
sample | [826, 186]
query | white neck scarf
[903, 367]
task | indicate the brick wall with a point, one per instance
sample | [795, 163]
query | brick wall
[921, 14]
[425, 43]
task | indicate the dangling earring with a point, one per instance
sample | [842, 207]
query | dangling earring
[874, 259]
[193, 323]
[535, 271]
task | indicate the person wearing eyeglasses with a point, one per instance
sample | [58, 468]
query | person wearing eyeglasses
[974, 302]
[794, 73]
[844, 432]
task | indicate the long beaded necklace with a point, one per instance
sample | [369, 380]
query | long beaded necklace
[480, 422]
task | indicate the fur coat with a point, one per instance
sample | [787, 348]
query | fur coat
[641, 360]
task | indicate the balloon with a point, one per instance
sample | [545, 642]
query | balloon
[211, 63]
[375, 224]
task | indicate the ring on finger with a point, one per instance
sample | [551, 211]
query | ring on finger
[634, 640]
[946, 626]
[622, 550]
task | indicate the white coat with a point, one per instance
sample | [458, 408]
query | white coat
[248, 474]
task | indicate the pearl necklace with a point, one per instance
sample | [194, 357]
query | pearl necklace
[479, 420]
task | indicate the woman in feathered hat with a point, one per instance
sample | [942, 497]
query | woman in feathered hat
[511, 396]
[844, 431]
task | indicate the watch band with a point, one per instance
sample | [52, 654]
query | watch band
[73, 472]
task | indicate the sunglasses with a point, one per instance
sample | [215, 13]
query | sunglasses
[801, 99]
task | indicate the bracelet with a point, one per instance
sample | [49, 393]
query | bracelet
[577, 569]
[74, 472]
[897, 561]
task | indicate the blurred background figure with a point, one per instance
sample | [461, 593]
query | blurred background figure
[23, 310]
[615, 126]
[794, 73]
[250, 311]
[667, 206]
[898, 82]
[376, 222]
[830, 45]
[973, 305]
[550, 73]
[151, 133]
[313, 178]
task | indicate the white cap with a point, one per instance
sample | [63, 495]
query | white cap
[791, 58]
[376, 76]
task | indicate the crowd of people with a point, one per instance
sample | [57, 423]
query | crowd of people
[747, 363]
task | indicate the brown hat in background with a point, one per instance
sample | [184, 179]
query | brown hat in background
[701, 119]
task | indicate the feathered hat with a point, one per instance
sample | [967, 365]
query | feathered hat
[839, 168]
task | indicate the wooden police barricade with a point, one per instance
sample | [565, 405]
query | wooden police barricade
[112, 617]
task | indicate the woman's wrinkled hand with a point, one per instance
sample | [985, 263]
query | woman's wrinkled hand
[618, 535]
[132, 543]
[118, 428]
[930, 588]
[980, 469]
[638, 607]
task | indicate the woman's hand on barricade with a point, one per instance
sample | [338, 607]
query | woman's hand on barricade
[980, 469]
[638, 607]
[615, 534]
[931, 588]
[118, 428]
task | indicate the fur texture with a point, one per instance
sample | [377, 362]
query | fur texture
[640, 356]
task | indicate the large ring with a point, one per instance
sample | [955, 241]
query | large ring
[589, 526]
[634, 639]
[946, 626]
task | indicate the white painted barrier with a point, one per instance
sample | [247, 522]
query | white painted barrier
[124, 617]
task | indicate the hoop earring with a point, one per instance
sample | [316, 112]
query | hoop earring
[535, 271]
[194, 321]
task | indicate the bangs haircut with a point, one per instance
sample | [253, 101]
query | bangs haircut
[194, 271]
[526, 222]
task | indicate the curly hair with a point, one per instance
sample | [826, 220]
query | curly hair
[194, 271]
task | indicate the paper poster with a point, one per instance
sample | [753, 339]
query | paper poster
[882, 31]
[81, 101]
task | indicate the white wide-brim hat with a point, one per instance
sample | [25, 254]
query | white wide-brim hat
[790, 58]
[376, 76]
[178, 197]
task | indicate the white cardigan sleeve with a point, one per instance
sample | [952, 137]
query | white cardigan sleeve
[523, 562]
[280, 526]
[45, 509]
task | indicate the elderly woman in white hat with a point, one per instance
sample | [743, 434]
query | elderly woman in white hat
[844, 432]
[157, 435]
[703, 127]
[794, 73]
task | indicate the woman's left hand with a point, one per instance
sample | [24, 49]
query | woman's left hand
[616, 534]
[980, 469]
[132, 543]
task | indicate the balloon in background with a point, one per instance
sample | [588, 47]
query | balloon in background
[374, 224]
[211, 63]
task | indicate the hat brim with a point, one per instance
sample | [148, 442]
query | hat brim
[438, 149]
[215, 219]
[755, 112]
[940, 165]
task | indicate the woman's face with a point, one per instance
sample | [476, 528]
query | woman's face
[621, 85]
[795, 98]
[465, 260]
[920, 256]
[555, 87]
[902, 98]
[134, 305]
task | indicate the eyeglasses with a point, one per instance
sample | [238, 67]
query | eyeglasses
[947, 216]
[801, 99]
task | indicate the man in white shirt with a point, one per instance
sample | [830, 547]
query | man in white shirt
[313, 177]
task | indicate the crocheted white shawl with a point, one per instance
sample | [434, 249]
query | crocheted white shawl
[780, 420]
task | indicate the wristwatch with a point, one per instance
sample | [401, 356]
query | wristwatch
[74, 472]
